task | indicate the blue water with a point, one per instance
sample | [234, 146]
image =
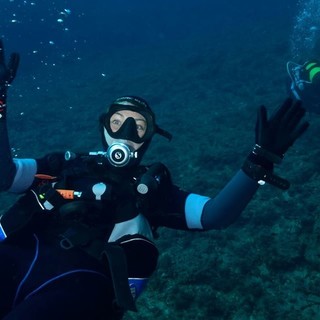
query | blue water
[204, 66]
[45, 30]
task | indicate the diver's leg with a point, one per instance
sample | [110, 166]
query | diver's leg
[14, 262]
[78, 296]
[9, 270]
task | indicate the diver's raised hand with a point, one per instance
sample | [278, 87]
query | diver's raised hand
[274, 136]
[285, 126]
[7, 72]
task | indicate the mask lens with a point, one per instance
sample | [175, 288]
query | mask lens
[128, 125]
[137, 125]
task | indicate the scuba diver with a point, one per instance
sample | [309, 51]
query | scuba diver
[79, 241]
[305, 83]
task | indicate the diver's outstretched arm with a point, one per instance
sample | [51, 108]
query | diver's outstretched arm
[274, 137]
[8, 168]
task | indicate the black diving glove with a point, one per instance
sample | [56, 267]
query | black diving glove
[274, 137]
[7, 75]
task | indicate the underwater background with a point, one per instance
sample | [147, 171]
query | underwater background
[205, 66]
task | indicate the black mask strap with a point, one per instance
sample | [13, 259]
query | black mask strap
[163, 133]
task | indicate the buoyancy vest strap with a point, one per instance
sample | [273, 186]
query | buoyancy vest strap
[78, 235]
[99, 191]
[48, 198]
[112, 255]
[116, 258]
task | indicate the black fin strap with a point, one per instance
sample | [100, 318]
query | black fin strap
[164, 133]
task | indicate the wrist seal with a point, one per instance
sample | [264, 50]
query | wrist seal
[262, 175]
[270, 156]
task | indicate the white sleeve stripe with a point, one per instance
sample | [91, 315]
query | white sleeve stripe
[193, 210]
[26, 170]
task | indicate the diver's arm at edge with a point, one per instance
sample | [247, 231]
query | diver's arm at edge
[16, 175]
[7, 166]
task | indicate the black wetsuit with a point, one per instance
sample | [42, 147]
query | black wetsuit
[55, 257]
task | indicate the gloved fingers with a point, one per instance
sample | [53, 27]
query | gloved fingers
[13, 66]
[281, 111]
[262, 116]
[299, 131]
[1, 52]
[261, 123]
[295, 111]
[295, 118]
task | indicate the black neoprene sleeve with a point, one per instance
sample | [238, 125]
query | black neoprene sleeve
[222, 210]
[7, 166]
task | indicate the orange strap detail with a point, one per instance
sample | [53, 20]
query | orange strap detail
[44, 176]
[66, 194]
